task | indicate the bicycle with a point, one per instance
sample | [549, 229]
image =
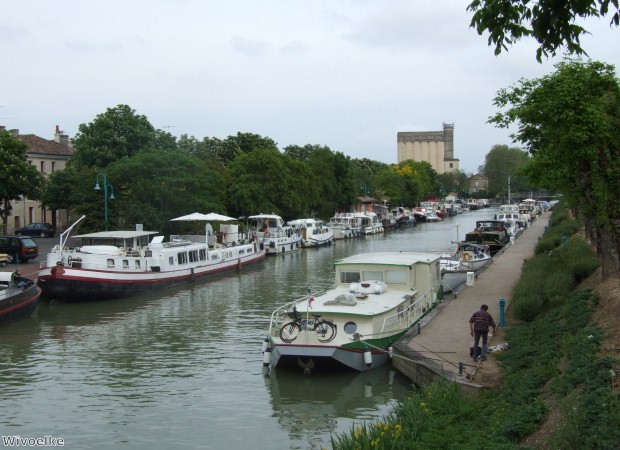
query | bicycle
[325, 329]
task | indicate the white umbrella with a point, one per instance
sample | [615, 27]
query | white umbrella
[214, 217]
[211, 217]
[193, 216]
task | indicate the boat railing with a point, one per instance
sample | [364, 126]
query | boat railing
[281, 314]
[404, 319]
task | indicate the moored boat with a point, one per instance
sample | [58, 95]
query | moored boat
[345, 225]
[314, 233]
[376, 299]
[117, 264]
[491, 233]
[271, 231]
[19, 296]
[464, 262]
[369, 223]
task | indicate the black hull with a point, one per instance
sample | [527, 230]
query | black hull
[20, 306]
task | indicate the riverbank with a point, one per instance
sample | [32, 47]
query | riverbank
[560, 371]
[441, 348]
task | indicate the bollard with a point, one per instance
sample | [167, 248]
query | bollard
[460, 368]
[419, 328]
[502, 302]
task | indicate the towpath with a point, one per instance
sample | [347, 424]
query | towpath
[440, 347]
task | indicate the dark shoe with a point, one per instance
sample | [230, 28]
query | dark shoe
[484, 358]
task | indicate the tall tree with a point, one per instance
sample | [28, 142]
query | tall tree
[115, 134]
[552, 23]
[501, 163]
[19, 179]
[248, 142]
[268, 181]
[569, 121]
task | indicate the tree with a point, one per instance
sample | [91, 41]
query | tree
[501, 163]
[569, 122]
[333, 178]
[265, 181]
[19, 179]
[248, 142]
[552, 23]
[115, 134]
[456, 182]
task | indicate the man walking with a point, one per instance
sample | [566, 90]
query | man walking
[479, 324]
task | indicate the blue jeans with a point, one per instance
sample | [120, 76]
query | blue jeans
[477, 335]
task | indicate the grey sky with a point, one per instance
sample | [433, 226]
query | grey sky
[342, 73]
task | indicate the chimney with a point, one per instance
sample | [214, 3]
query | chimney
[64, 140]
[14, 132]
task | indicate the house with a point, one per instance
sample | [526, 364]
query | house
[477, 183]
[47, 156]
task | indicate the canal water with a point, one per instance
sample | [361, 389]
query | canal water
[183, 369]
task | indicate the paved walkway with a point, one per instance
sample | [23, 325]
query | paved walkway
[444, 340]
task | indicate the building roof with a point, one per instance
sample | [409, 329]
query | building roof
[38, 145]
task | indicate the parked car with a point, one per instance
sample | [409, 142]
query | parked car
[40, 229]
[19, 248]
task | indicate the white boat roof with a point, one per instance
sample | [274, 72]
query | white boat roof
[117, 234]
[391, 258]
[6, 277]
[261, 216]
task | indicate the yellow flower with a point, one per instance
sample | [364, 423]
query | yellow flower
[427, 411]
[422, 405]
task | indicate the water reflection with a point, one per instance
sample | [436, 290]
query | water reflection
[183, 369]
[315, 407]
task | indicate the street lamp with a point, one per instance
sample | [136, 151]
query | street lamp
[105, 195]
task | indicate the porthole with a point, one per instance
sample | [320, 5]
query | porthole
[350, 327]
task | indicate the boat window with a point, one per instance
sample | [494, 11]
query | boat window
[125, 264]
[137, 264]
[182, 257]
[372, 275]
[395, 277]
[171, 260]
[193, 256]
[350, 277]
[110, 263]
[215, 257]
[350, 327]
[203, 254]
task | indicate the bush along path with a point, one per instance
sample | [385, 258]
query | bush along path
[560, 383]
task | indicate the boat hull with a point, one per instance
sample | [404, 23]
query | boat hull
[77, 284]
[20, 304]
[325, 358]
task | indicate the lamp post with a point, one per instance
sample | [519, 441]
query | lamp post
[105, 195]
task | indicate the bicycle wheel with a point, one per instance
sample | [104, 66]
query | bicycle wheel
[326, 331]
[289, 331]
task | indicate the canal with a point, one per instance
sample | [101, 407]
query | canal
[183, 369]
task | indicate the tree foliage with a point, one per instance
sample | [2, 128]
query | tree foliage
[19, 179]
[503, 163]
[552, 23]
[569, 121]
[115, 134]
[265, 181]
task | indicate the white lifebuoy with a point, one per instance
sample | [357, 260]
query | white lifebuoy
[266, 234]
[368, 287]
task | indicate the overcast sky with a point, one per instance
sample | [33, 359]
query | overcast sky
[347, 74]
